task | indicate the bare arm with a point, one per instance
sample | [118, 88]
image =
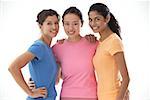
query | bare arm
[58, 74]
[120, 61]
[15, 70]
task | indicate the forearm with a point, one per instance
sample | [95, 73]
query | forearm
[120, 61]
[17, 75]
[123, 88]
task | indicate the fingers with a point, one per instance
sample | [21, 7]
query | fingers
[60, 41]
[87, 37]
[43, 92]
[31, 84]
[39, 92]
[91, 38]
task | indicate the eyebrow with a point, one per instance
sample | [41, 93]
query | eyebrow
[50, 21]
[72, 21]
[97, 16]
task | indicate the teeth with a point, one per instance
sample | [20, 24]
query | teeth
[70, 32]
[53, 31]
[94, 28]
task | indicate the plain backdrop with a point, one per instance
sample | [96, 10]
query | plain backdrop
[18, 30]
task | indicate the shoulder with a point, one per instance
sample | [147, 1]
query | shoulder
[116, 39]
[95, 44]
[57, 47]
[36, 46]
[37, 43]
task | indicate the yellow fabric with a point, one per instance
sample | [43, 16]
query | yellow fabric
[106, 69]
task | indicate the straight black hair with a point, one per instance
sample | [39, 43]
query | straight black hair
[103, 10]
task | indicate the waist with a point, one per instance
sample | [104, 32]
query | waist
[79, 92]
[107, 91]
[65, 98]
[40, 98]
[111, 95]
[51, 90]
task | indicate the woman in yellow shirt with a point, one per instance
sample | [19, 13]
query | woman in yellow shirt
[109, 61]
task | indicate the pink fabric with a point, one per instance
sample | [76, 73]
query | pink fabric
[78, 99]
[77, 68]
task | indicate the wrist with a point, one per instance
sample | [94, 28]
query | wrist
[30, 93]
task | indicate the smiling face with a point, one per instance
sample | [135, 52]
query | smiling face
[72, 24]
[50, 26]
[97, 22]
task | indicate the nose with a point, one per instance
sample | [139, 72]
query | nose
[92, 23]
[70, 27]
[54, 26]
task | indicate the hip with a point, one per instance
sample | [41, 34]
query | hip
[71, 98]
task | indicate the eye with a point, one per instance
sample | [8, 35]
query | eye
[97, 19]
[76, 23]
[66, 24]
[90, 19]
[49, 23]
[56, 23]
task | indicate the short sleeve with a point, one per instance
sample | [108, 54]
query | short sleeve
[37, 50]
[116, 46]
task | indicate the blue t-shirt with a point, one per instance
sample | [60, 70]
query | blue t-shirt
[43, 68]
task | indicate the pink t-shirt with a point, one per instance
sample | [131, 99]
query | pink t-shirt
[77, 68]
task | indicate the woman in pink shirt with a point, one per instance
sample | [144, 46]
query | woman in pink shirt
[75, 56]
[109, 59]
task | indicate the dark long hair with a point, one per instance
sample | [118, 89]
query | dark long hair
[103, 10]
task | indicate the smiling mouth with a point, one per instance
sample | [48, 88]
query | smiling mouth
[71, 32]
[95, 27]
[53, 31]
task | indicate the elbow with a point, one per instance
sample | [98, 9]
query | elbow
[126, 80]
[10, 69]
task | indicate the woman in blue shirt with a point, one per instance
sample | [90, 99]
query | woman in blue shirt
[42, 65]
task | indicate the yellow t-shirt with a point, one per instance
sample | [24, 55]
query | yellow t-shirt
[106, 69]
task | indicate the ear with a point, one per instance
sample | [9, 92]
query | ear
[108, 18]
[81, 24]
[39, 25]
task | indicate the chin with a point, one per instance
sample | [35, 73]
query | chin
[95, 31]
[54, 35]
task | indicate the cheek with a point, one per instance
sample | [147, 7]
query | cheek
[90, 24]
[65, 28]
[78, 28]
[57, 27]
[100, 25]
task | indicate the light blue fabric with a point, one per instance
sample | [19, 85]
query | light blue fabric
[43, 69]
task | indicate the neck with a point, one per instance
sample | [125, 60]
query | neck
[105, 33]
[74, 38]
[46, 39]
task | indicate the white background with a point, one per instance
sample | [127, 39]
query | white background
[18, 30]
